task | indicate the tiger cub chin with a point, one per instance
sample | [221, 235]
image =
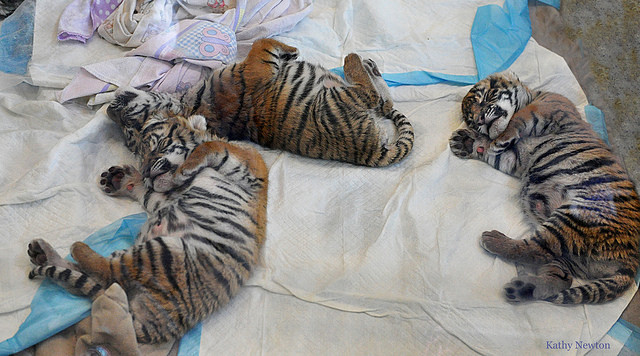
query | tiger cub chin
[278, 102]
[206, 205]
[585, 207]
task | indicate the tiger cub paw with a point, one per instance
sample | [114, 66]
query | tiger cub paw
[503, 143]
[378, 82]
[519, 290]
[40, 252]
[466, 143]
[494, 241]
[123, 103]
[120, 181]
[290, 54]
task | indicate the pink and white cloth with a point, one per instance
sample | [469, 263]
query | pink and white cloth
[81, 18]
[181, 55]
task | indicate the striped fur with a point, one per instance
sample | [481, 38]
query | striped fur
[585, 207]
[278, 102]
[7, 7]
[207, 217]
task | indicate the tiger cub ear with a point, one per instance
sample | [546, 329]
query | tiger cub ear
[198, 122]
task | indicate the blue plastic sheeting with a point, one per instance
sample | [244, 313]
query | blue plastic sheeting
[628, 335]
[498, 37]
[190, 342]
[16, 39]
[554, 3]
[596, 119]
[53, 309]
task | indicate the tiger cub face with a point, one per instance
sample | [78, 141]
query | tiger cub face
[491, 103]
[165, 143]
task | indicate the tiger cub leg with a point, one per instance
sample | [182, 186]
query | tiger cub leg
[91, 262]
[64, 273]
[265, 58]
[368, 82]
[541, 248]
[550, 279]
[469, 144]
[131, 107]
[542, 117]
[244, 165]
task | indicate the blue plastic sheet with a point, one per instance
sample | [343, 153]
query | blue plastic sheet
[53, 309]
[16, 39]
[596, 119]
[498, 37]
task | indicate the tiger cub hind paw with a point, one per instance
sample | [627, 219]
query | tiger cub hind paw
[466, 144]
[518, 291]
[42, 254]
[39, 252]
[120, 180]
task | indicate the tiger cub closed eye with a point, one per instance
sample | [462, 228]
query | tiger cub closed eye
[206, 204]
[585, 207]
[278, 102]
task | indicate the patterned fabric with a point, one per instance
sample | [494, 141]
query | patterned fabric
[191, 40]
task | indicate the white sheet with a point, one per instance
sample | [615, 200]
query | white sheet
[357, 260]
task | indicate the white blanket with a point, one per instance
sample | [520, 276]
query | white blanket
[357, 260]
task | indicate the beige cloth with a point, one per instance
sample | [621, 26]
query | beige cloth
[109, 328]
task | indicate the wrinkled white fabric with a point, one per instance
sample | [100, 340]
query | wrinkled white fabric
[357, 260]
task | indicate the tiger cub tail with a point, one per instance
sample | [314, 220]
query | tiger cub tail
[395, 151]
[595, 292]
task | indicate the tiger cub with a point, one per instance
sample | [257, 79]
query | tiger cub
[586, 208]
[278, 102]
[206, 202]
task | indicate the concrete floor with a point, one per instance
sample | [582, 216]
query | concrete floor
[600, 40]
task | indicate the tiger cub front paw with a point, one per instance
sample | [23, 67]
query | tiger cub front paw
[494, 242]
[120, 180]
[503, 143]
[466, 143]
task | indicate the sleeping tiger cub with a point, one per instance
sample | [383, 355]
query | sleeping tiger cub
[586, 208]
[206, 203]
[278, 102]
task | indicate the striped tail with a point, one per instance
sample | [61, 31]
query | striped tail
[76, 282]
[596, 292]
[396, 151]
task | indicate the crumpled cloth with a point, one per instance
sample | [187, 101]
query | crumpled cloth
[81, 18]
[130, 27]
[108, 331]
[177, 59]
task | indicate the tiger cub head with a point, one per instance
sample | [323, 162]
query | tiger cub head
[165, 143]
[491, 103]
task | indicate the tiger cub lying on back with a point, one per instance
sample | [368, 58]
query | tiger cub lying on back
[586, 208]
[278, 102]
[206, 203]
